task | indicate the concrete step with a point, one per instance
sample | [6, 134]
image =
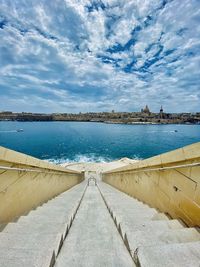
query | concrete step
[131, 214]
[57, 210]
[132, 218]
[57, 207]
[110, 191]
[42, 229]
[160, 216]
[10, 257]
[51, 213]
[39, 227]
[74, 194]
[131, 226]
[46, 218]
[31, 241]
[139, 225]
[128, 205]
[114, 202]
[161, 237]
[93, 239]
[171, 255]
[128, 201]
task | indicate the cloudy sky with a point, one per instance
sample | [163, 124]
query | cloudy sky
[84, 55]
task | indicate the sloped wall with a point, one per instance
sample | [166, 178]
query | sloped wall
[26, 182]
[169, 182]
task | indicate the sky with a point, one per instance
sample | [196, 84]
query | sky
[99, 55]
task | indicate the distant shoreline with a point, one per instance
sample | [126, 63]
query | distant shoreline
[108, 122]
[130, 118]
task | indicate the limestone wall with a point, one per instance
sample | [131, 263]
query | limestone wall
[21, 191]
[169, 182]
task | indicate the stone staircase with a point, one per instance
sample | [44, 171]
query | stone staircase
[152, 238]
[97, 226]
[35, 239]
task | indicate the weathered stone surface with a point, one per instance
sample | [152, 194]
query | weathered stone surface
[93, 239]
[30, 241]
[25, 257]
[172, 255]
[161, 237]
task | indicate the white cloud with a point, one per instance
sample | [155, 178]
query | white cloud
[77, 55]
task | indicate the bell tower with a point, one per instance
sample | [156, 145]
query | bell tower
[161, 112]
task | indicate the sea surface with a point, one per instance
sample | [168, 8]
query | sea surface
[94, 142]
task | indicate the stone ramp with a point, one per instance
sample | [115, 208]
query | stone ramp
[93, 239]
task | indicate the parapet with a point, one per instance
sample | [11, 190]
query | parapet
[27, 182]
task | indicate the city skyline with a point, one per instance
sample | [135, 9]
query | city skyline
[83, 56]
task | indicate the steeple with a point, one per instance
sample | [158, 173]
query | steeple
[161, 112]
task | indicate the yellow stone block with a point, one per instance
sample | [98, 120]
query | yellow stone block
[182, 183]
[184, 171]
[2, 152]
[197, 195]
[173, 156]
[195, 174]
[14, 157]
[191, 209]
[192, 151]
[154, 161]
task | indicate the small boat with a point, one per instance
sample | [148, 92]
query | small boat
[175, 131]
[20, 130]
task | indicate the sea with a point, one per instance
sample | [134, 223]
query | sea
[60, 142]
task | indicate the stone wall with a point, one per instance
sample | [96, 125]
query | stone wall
[27, 182]
[169, 182]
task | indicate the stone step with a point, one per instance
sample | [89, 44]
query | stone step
[39, 227]
[74, 194]
[171, 255]
[131, 226]
[43, 230]
[113, 198]
[45, 218]
[131, 214]
[31, 241]
[53, 213]
[93, 239]
[115, 202]
[57, 207]
[10, 257]
[160, 216]
[57, 210]
[161, 237]
[110, 191]
[124, 205]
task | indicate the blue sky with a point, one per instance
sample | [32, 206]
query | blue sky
[84, 55]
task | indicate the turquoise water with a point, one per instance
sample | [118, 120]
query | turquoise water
[86, 141]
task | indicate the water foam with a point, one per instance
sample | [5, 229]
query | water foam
[80, 158]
